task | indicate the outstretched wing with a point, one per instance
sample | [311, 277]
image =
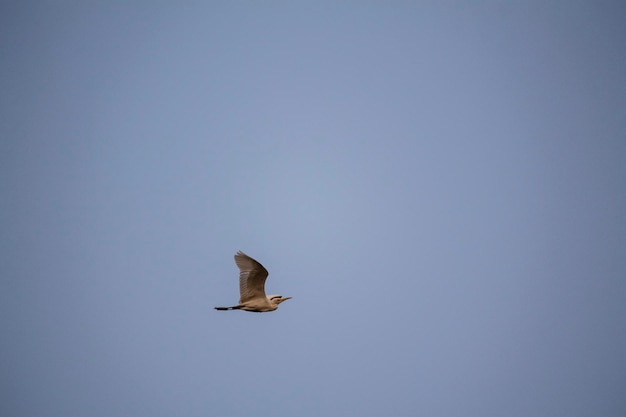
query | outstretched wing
[252, 276]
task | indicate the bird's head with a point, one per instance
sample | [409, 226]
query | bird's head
[276, 299]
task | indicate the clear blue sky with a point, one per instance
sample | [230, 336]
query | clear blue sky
[440, 186]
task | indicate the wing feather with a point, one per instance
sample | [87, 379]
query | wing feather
[252, 276]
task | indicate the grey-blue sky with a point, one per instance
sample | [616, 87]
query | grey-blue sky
[440, 188]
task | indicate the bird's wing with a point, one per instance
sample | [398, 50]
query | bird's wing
[252, 276]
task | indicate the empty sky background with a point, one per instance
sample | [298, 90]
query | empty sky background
[441, 187]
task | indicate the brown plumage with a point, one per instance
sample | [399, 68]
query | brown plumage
[252, 276]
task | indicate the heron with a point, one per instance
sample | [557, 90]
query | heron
[252, 276]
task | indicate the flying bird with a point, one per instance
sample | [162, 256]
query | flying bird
[252, 276]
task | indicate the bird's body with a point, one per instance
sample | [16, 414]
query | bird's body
[252, 276]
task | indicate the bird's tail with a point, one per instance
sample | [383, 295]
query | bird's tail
[228, 308]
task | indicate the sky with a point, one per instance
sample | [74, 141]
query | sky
[440, 186]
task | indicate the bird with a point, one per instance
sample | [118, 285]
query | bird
[252, 276]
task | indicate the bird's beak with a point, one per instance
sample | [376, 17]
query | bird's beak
[286, 298]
